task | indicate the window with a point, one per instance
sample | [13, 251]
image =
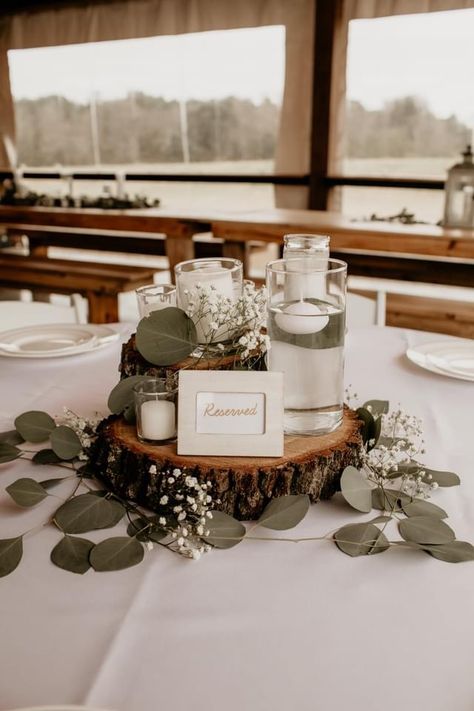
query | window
[198, 103]
[409, 110]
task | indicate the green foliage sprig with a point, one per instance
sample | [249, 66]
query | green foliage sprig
[390, 480]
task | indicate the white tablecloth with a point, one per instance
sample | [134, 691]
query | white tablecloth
[265, 626]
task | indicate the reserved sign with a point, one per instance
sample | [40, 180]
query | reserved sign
[237, 413]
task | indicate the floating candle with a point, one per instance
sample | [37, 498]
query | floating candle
[301, 318]
[158, 420]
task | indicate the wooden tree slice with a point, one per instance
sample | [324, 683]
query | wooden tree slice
[133, 363]
[244, 485]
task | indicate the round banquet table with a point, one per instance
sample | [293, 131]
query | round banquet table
[266, 625]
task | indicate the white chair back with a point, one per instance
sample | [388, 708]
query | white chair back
[16, 314]
[364, 311]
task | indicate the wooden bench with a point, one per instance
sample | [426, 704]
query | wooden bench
[41, 237]
[99, 283]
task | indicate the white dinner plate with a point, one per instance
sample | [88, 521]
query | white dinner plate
[60, 708]
[454, 359]
[54, 340]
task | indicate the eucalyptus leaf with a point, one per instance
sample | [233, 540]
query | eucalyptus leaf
[441, 478]
[358, 539]
[419, 507]
[377, 407]
[453, 552]
[72, 553]
[26, 492]
[381, 519]
[389, 499]
[11, 437]
[65, 443]
[129, 414]
[284, 512]
[35, 426]
[50, 483]
[376, 433]
[368, 427]
[116, 554]
[425, 529]
[121, 397]
[166, 337]
[146, 529]
[11, 552]
[46, 456]
[87, 512]
[356, 489]
[8, 453]
[224, 530]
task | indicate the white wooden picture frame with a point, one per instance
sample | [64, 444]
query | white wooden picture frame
[230, 413]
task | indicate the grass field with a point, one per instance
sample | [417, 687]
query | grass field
[427, 205]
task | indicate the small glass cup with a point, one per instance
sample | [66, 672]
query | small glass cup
[306, 325]
[223, 276]
[154, 297]
[302, 245]
[156, 410]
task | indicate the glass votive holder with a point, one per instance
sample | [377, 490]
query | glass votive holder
[154, 297]
[197, 278]
[156, 410]
[305, 245]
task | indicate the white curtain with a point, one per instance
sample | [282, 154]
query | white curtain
[127, 19]
[356, 10]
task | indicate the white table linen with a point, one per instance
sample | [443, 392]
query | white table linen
[267, 625]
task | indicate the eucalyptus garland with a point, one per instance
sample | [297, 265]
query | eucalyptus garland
[391, 480]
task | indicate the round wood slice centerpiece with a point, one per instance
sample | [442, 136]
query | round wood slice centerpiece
[244, 485]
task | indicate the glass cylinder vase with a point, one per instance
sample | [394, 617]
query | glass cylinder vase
[306, 325]
[155, 297]
[207, 289]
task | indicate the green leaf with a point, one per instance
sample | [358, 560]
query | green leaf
[166, 336]
[11, 437]
[72, 553]
[419, 507]
[35, 426]
[146, 529]
[8, 453]
[356, 489]
[453, 552]
[46, 456]
[425, 529]
[284, 512]
[224, 530]
[121, 397]
[370, 429]
[26, 492]
[389, 499]
[116, 554]
[65, 442]
[11, 551]
[378, 407]
[441, 478]
[358, 539]
[87, 512]
[380, 519]
[49, 483]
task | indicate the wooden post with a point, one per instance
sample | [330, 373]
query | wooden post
[103, 308]
[237, 250]
[326, 16]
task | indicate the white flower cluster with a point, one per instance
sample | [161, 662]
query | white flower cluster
[394, 455]
[85, 429]
[185, 512]
[239, 321]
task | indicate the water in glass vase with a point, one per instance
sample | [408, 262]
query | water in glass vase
[307, 345]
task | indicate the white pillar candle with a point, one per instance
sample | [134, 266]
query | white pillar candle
[158, 419]
[305, 282]
[301, 318]
[221, 280]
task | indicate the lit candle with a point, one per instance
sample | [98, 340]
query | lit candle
[158, 420]
[301, 318]
[207, 276]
